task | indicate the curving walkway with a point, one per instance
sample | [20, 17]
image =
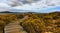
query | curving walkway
[15, 27]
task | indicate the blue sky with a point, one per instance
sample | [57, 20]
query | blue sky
[53, 9]
[41, 6]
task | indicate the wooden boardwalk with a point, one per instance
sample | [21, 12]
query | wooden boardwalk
[15, 27]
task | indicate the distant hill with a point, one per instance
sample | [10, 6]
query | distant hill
[6, 12]
[28, 12]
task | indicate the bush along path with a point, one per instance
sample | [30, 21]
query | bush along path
[15, 27]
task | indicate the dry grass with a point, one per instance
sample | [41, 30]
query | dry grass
[37, 23]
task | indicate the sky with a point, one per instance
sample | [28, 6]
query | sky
[40, 6]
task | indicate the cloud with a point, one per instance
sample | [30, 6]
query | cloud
[20, 2]
[53, 2]
[4, 7]
[32, 5]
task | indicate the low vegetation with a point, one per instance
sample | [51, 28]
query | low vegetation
[36, 23]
